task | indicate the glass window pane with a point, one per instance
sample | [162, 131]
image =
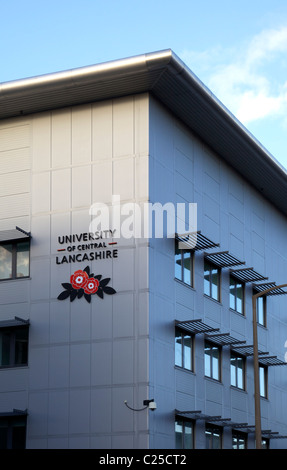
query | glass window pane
[214, 284]
[178, 349]
[216, 440]
[215, 364]
[232, 294]
[22, 263]
[187, 353]
[239, 299]
[207, 279]
[4, 348]
[19, 435]
[177, 264]
[3, 433]
[240, 372]
[187, 267]
[178, 435]
[207, 361]
[262, 380]
[188, 440]
[233, 371]
[6, 261]
[21, 346]
[261, 306]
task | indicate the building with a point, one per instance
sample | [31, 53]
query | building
[93, 323]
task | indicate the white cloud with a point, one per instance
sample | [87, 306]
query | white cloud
[249, 81]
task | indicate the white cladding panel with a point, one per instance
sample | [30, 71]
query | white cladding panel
[85, 359]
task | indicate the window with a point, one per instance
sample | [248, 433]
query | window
[184, 265]
[13, 432]
[14, 346]
[239, 440]
[14, 259]
[265, 443]
[183, 434]
[212, 359]
[237, 371]
[261, 310]
[236, 295]
[213, 437]
[183, 350]
[263, 376]
[211, 281]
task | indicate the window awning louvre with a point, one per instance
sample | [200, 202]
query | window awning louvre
[199, 415]
[271, 361]
[194, 326]
[223, 339]
[245, 427]
[268, 285]
[13, 234]
[195, 241]
[223, 259]
[273, 435]
[247, 350]
[13, 323]
[15, 412]
[247, 275]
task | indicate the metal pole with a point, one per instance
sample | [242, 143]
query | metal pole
[258, 436]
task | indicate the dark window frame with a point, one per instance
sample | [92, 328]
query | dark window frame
[15, 243]
[261, 310]
[182, 253]
[183, 422]
[263, 386]
[210, 268]
[243, 359]
[213, 347]
[237, 283]
[236, 437]
[213, 430]
[13, 346]
[9, 439]
[180, 333]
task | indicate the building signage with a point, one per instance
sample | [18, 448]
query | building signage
[84, 284]
[87, 246]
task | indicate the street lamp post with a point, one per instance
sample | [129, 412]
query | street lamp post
[258, 437]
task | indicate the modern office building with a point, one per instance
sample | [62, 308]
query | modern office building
[97, 316]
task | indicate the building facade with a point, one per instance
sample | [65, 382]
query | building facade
[98, 318]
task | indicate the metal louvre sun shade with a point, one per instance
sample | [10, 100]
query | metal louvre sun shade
[264, 359]
[271, 361]
[223, 339]
[197, 326]
[223, 259]
[268, 285]
[247, 275]
[14, 323]
[13, 234]
[227, 422]
[195, 241]
[194, 326]
[247, 350]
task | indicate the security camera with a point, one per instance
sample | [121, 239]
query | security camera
[152, 405]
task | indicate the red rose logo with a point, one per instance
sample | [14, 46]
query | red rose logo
[91, 286]
[79, 279]
[85, 284]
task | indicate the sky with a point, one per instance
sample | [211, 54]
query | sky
[237, 48]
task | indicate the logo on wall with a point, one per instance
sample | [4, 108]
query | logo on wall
[84, 284]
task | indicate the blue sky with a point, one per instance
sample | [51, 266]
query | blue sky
[237, 48]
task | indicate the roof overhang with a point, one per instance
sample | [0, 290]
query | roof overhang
[165, 76]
